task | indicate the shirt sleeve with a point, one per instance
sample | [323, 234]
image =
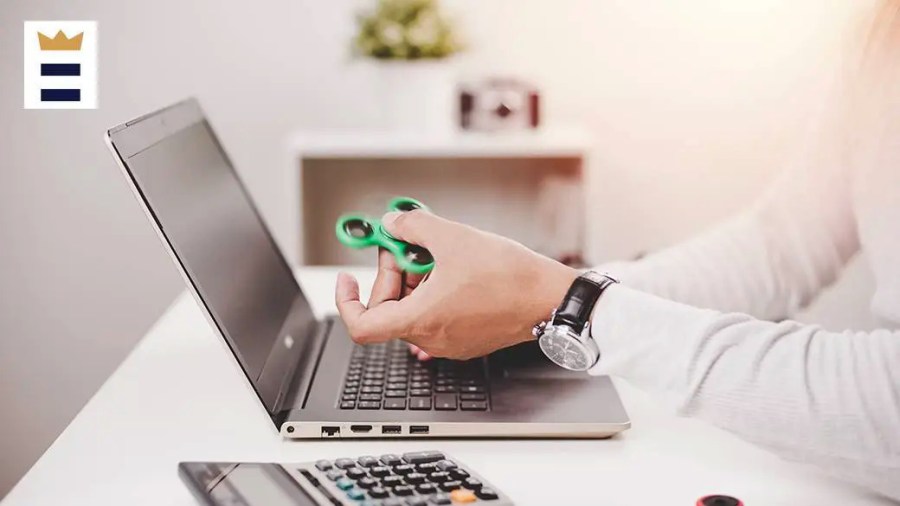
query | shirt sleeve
[771, 260]
[827, 398]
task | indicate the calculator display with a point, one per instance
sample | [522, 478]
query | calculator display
[259, 484]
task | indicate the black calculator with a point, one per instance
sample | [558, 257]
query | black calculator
[428, 478]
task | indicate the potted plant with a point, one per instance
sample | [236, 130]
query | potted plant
[411, 44]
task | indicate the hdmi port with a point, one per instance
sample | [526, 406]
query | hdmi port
[390, 429]
[361, 428]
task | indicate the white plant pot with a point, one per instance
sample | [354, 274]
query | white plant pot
[418, 95]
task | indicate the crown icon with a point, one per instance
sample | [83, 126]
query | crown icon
[60, 42]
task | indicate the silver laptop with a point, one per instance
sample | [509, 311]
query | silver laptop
[313, 381]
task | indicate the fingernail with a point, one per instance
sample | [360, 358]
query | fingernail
[389, 218]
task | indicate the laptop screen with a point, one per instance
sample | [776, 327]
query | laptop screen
[216, 233]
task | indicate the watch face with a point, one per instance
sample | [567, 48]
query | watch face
[564, 350]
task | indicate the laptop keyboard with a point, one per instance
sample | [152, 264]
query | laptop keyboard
[387, 376]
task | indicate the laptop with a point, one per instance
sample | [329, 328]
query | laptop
[311, 379]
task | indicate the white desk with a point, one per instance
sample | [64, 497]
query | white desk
[178, 396]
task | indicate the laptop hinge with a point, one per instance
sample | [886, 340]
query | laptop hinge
[297, 384]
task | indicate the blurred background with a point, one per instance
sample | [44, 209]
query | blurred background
[667, 116]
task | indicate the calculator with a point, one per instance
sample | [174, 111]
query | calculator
[411, 479]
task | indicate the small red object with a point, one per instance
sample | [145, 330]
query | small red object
[719, 500]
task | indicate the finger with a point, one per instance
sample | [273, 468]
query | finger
[423, 355]
[388, 320]
[388, 282]
[418, 227]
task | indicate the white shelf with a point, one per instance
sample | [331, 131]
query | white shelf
[544, 142]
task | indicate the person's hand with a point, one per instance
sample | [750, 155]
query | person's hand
[485, 292]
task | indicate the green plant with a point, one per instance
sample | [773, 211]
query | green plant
[405, 30]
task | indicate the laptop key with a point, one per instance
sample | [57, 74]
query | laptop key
[445, 402]
[445, 388]
[470, 389]
[394, 403]
[420, 392]
[473, 405]
[395, 393]
[471, 397]
[369, 405]
[371, 390]
[348, 405]
[370, 397]
[420, 403]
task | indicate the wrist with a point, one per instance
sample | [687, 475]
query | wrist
[548, 292]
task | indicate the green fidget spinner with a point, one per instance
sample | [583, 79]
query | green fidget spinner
[360, 231]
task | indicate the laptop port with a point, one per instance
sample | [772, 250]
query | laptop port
[329, 431]
[418, 429]
[390, 429]
[361, 428]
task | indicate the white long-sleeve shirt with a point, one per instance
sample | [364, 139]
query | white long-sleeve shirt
[699, 324]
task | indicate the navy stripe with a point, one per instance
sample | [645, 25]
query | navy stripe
[60, 95]
[60, 69]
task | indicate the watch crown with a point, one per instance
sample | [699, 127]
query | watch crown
[538, 329]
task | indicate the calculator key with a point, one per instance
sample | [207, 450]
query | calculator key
[472, 483]
[417, 501]
[451, 485]
[427, 467]
[371, 502]
[378, 492]
[471, 397]
[344, 483]
[367, 461]
[404, 469]
[414, 478]
[422, 457]
[334, 474]
[369, 405]
[389, 459]
[323, 465]
[426, 488]
[393, 501]
[462, 495]
[445, 465]
[392, 481]
[473, 405]
[439, 477]
[348, 405]
[344, 463]
[380, 471]
[366, 483]
[445, 402]
[439, 499]
[486, 494]
[395, 404]
[356, 494]
[355, 473]
[459, 474]
[403, 490]
[420, 403]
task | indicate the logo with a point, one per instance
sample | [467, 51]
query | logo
[60, 65]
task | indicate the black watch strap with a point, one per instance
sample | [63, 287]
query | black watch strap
[576, 307]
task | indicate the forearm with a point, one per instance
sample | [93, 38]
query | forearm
[830, 399]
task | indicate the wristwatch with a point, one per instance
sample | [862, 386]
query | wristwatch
[566, 337]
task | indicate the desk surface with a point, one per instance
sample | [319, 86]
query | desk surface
[178, 396]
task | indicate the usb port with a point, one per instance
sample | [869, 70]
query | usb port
[361, 428]
[330, 431]
[418, 429]
[390, 429]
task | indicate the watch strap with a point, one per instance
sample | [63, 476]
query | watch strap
[576, 307]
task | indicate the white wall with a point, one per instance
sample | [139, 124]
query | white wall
[695, 104]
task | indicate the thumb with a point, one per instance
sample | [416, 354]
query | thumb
[418, 227]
